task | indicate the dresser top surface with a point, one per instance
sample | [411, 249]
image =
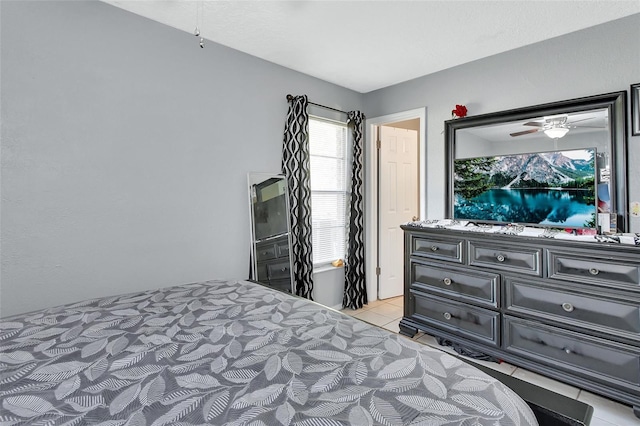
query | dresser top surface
[629, 243]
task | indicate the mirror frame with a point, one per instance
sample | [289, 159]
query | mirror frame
[616, 104]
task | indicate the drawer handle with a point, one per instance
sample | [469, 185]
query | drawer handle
[447, 316]
[447, 281]
[500, 258]
[434, 248]
[594, 271]
[568, 307]
[568, 351]
[283, 269]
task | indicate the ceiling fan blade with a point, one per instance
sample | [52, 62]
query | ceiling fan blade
[534, 123]
[584, 119]
[524, 132]
[587, 127]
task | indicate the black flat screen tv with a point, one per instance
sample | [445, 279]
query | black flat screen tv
[556, 189]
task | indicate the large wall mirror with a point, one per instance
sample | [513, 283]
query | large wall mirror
[561, 164]
[270, 231]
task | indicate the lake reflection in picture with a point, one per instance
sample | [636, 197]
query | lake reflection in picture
[560, 207]
[541, 188]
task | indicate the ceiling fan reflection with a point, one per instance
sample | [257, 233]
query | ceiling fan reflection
[554, 127]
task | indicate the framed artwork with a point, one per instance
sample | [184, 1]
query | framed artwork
[635, 109]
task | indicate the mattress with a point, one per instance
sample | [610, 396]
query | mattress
[232, 353]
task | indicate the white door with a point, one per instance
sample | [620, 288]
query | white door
[398, 195]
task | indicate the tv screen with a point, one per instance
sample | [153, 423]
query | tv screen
[543, 188]
[270, 218]
[270, 209]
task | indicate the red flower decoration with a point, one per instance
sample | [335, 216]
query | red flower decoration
[460, 111]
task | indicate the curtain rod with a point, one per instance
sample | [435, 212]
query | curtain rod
[290, 98]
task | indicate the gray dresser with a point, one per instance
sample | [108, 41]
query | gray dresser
[563, 308]
[273, 264]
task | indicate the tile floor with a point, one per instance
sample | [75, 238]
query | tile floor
[387, 314]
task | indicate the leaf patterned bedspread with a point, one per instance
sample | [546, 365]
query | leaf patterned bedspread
[232, 353]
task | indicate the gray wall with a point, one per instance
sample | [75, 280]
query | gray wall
[125, 147]
[125, 152]
[597, 60]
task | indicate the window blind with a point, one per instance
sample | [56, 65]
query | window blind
[329, 188]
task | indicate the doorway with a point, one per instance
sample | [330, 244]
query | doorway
[395, 177]
[398, 200]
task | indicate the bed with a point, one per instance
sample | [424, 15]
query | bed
[232, 353]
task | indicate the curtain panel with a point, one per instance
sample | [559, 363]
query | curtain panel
[355, 289]
[295, 166]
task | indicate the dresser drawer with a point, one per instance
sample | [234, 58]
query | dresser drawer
[618, 272]
[265, 252]
[580, 307]
[279, 270]
[261, 270]
[282, 248]
[282, 285]
[435, 248]
[470, 286]
[471, 322]
[513, 258]
[581, 354]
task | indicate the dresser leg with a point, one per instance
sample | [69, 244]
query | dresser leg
[636, 411]
[407, 331]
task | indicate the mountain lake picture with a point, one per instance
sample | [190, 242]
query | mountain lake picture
[544, 188]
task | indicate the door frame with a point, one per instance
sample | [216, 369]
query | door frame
[371, 187]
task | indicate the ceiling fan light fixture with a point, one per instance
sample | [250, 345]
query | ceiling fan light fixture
[556, 132]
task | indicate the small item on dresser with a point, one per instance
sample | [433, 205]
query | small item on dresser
[631, 239]
[604, 223]
[586, 231]
[549, 233]
[607, 238]
[613, 223]
[607, 223]
[478, 227]
[511, 229]
[448, 223]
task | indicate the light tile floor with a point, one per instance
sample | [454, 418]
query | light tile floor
[388, 313]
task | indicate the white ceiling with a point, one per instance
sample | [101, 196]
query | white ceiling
[367, 45]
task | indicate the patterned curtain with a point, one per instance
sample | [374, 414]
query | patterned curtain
[355, 289]
[295, 165]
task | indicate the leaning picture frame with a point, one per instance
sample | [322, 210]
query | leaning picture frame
[635, 109]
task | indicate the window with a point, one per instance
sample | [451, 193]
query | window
[329, 190]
